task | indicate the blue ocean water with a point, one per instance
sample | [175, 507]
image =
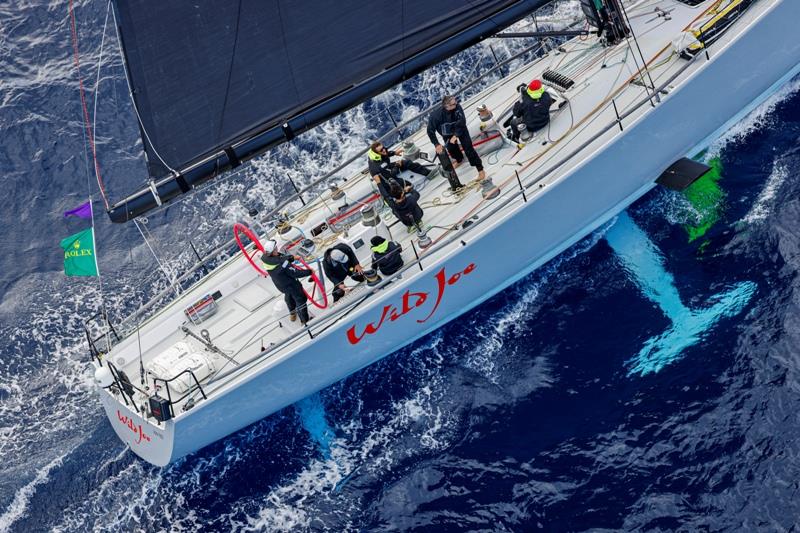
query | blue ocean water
[540, 410]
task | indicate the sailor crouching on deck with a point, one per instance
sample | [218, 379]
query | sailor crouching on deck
[340, 262]
[285, 276]
[451, 123]
[389, 184]
[386, 255]
[406, 207]
[532, 110]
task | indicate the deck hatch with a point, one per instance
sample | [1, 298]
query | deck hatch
[252, 297]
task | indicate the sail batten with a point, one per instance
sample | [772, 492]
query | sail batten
[220, 75]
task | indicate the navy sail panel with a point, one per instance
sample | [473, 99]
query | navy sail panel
[200, 71]
[219, 74]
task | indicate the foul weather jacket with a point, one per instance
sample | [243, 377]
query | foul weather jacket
[389, 261]
[338, 272]
[388, 170]
[447, 123]
[283, 273]
[535, 114]
[385, 188]
[384, 166]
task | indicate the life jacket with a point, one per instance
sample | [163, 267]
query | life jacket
[381, 248]
[386, 257]
[536, 94]
[282, 272]
[534, 111]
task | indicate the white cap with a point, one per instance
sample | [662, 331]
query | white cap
[270, 246]
[338, 256]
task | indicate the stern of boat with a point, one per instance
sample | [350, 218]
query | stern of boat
[151, 442]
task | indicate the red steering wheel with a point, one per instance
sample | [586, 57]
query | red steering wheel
[240, 228]
[317, 285]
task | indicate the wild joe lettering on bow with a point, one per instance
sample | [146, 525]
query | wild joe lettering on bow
[136, 428]
[411, 300]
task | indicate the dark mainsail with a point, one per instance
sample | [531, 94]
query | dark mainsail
[220, 81]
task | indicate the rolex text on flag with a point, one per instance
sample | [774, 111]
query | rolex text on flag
[79, 259]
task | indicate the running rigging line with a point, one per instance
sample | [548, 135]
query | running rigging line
[88, 138]
[87, 122]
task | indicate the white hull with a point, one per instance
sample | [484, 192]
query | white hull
[498, 254]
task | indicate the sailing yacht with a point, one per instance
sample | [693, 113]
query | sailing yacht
[645, 84]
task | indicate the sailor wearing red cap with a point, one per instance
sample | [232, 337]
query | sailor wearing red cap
[532, 110]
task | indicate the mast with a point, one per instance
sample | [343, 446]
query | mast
[608, 17]
[257, 57]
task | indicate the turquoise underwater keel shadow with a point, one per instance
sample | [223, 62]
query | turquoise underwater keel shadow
[312, 416]
[642, 259]
[311, 412]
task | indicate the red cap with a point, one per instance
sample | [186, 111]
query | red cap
[535, 85]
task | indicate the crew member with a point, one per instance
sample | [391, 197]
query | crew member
[406, 207]
[285, 276]
[387, 255]
[393, 188]
[381, 166]
[339, 263]
[533, 110]
[384, 172]
[449, 121]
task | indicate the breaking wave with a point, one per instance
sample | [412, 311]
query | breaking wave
[766, 198]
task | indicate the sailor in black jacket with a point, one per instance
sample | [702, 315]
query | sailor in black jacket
[385, 173]
[387, 186]
[338, 263]
[406, 207]
[381, 166]
[285, 276]
[398, 193]
[533, 110]
[450, 122]
[387, 256]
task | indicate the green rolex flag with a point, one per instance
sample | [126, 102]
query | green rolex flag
[79, 254]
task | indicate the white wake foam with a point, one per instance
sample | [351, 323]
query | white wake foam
[22, 497]
[766, 198]
[411, 427]
[761, 117]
